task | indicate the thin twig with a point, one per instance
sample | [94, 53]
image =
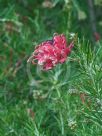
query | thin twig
[92, 15]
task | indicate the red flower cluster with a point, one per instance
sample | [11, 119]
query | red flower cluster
[51, 52]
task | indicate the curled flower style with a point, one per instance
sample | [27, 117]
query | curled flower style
[51, 52]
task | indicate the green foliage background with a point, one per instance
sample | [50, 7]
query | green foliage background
[65, 101]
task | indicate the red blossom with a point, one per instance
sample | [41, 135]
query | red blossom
[97, 36]
[51, 52]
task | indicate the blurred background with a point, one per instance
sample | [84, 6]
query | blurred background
[23, 25]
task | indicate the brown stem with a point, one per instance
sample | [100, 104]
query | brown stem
[92, 16]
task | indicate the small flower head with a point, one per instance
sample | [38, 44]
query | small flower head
[97, 36]
[51, 52]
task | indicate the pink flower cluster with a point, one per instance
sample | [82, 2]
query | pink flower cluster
[51, 52]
